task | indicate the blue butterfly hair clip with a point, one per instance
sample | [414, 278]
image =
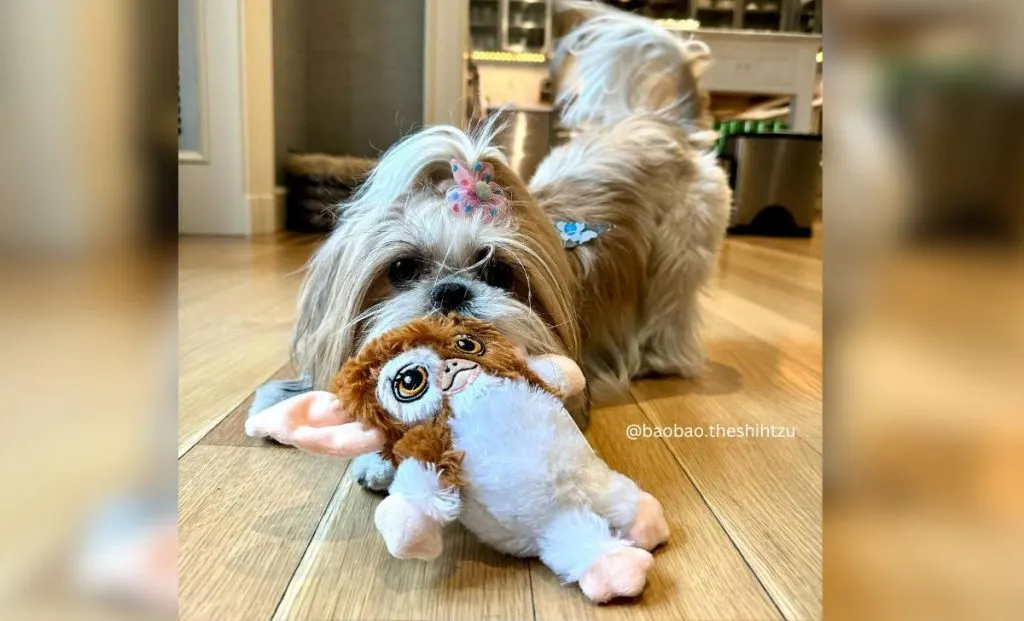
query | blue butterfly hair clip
[578, 233]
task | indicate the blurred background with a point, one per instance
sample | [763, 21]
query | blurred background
[924, 292]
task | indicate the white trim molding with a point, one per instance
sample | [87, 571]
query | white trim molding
[257, 55]
[446, 44]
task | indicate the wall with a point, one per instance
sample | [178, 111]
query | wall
[364, 74]
[290, 43]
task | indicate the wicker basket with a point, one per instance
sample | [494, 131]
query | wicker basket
[316, 184]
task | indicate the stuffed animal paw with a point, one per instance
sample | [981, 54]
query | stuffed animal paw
[408, 532]
[621, 573]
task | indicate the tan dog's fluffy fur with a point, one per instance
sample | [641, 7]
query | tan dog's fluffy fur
[623, 305]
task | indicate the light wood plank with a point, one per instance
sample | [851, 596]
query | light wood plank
[796, 302]
[231, 430]
[246, 516]
[800, 342]
[235, 313]
[698, 574]
[804, 246]
[348, 574]
[794, 274]
[765, 491]
[772, 263]
[761, 382]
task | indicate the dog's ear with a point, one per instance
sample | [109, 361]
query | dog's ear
[551, 297]
[509, 181]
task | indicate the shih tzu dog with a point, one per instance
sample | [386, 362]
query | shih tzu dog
[600, 256]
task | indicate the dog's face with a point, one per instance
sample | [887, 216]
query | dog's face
[400, 254]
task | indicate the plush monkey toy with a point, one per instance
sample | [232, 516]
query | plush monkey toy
[479, 433]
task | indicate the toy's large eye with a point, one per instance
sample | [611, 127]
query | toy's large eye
[469, 344]
[410, 384]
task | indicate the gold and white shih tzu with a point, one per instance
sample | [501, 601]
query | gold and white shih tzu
[638, 173]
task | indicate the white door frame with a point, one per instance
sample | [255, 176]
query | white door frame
[446, 43]
[227, 186]
[266, 215]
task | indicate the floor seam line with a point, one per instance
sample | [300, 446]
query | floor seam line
[320, 525]
[714, 514]
[224, 417]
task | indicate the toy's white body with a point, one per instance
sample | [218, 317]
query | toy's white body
[533, 486]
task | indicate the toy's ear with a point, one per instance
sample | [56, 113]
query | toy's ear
[315, 422]
[560, 372]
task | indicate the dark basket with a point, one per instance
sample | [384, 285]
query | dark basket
[316, 185]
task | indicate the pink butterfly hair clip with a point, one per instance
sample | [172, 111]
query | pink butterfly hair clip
[476, 191]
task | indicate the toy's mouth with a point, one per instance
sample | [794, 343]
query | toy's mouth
[458, 373]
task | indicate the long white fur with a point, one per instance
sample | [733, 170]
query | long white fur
[396, 213]
[622, 65]
[629, 305]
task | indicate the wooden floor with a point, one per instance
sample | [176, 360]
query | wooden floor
[269, 532]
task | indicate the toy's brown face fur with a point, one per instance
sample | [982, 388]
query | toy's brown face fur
[402, 379]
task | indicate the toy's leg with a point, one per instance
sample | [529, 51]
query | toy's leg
[372, 472]
[631, 511]
[579, 546]
[411, 518]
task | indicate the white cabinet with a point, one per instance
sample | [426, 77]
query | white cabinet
[770, 63]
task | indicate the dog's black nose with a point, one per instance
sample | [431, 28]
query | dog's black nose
[451, 296]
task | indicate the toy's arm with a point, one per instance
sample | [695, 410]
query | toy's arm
[315, 422]
[424, 495]
[560, 372]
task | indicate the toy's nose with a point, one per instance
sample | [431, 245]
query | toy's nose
[457, 373]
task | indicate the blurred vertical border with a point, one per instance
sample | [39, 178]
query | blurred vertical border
[88, 204]
[924, 309]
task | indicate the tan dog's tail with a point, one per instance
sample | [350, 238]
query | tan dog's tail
[613, 64]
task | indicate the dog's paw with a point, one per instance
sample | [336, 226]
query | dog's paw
[372, 472]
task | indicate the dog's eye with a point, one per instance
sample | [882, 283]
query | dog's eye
[403, 271]
[410, 383]
[497, 274]
[469, 344]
